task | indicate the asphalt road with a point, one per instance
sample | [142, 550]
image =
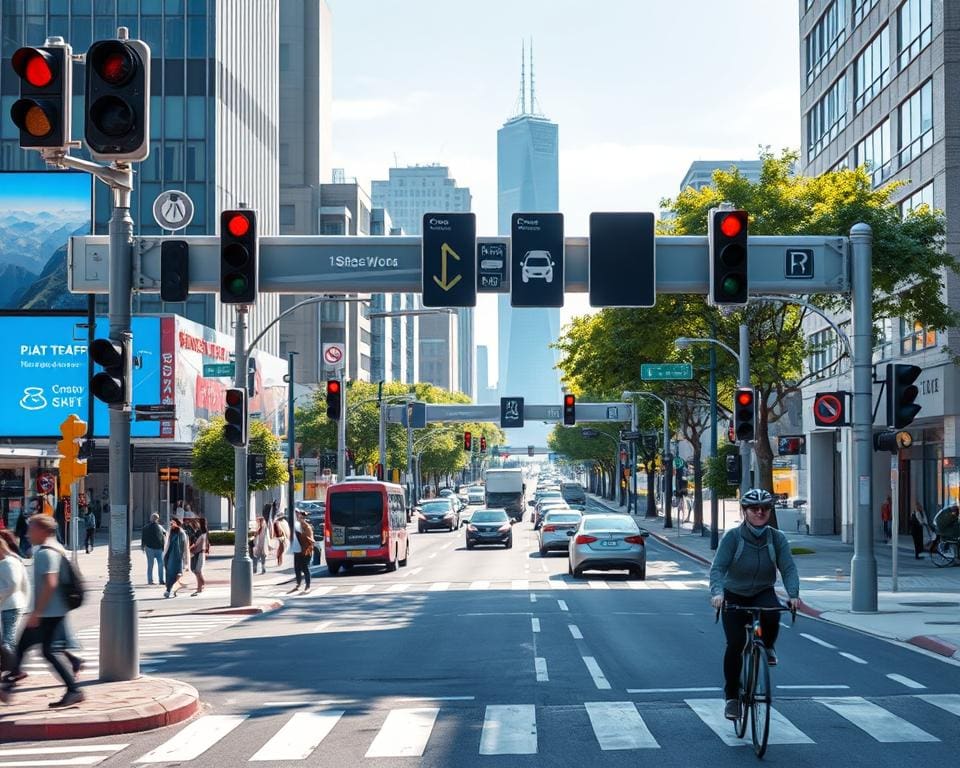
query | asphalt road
[497, 657]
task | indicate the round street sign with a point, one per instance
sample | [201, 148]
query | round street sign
[45, 483]
[828, 409]
[173, 210]
[332, 354]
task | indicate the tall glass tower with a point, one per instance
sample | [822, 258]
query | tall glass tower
[527, 181]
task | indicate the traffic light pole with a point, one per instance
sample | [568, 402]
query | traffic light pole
[342, 429]
[667, 469]
[241, 569]
[744, 377]
[291, 444]
[714, 501]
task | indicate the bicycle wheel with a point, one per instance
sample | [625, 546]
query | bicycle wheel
[746, 685]
[945, 554]
[760, 701]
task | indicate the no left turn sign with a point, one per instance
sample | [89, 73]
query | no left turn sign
[829, 409]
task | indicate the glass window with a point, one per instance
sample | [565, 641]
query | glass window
[150, 168]
[284, 57]
[153, 7]
[80, 30]
[871, 71]
[861, 8]
[59, 6]
[81, 6]
[173, 6]
[923, 196]
[915, 337]
[173, 161]
[196, 117]
[825, 38]
[288, 215]
[916, 124]
[173, 117]
[883, 343]
[156, 116]
[198, 193]
[197, 37]
[196, 167]
[104, 28]
[827, 117]
[104, 7]
[151, 31]
[284, 153]
[128, 6]
[874, 153]
[173, 77]
[914, 29]
[823, 353]
[174, 38]
[196, 77]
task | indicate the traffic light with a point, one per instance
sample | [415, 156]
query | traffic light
[117, 124]
[72, 467]
[238, 257]
[901, 392]
[174, 270]
[569, 410]
[733, 469]
[727, 241]
[112, 384]
[745, 414]
[529, 450]
[892, 441]
[42, 113]
[467, 441]
[483, 444]
[333, 399]
[235, 430]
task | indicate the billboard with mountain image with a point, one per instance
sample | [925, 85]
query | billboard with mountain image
[39, 211]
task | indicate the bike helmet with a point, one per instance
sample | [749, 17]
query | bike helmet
[756, 497]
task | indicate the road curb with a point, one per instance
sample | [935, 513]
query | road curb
[110, 709]
[265, 606]
[935, 644]
[682, 550]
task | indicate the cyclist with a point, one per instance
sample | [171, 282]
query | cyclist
[744, 572]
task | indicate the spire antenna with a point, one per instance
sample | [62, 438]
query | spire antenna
[533, 97]
[523, 78]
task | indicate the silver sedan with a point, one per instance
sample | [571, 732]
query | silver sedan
[608, 542]
[553, 532]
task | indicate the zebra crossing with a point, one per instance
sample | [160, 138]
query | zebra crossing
[35, 664]
[507, 729]
[178, 627]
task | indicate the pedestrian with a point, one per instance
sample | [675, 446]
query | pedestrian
[273, 510]
[14, 598]
[886, 517]
[43, 625]
[262, 544]
[23, 548]
[281, 533]
[176, 557]
[198, 553]
[302, 547]
[917, 523]
[153, 541]
[90, 520]
[188, 513]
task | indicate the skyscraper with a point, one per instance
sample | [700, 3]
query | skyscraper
[527, 181]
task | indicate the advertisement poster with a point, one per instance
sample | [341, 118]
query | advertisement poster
[39, 211]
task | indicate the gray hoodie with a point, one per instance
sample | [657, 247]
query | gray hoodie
[753, 571]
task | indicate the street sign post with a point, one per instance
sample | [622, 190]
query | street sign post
[448, 262]
[511, 412]
[536, 274]
[491, 267]
[622, 260]
[257, 467]
[218, 370]
[666, 371]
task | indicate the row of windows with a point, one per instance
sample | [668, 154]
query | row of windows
[827, 118]
[825, 348]
[825, 38]
[923, 196]
[146, 7]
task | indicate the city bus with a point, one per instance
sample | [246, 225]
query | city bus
[366, 524]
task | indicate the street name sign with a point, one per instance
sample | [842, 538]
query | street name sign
[491, 267]
[218, 370]
[622, 260]
[536, 274]
[449, 249]
[666, 371]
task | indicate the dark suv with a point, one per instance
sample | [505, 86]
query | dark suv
[573, 493]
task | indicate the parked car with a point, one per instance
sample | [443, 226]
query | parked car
[490, 526]
[608, 542]
[553, 532]
[438, 513]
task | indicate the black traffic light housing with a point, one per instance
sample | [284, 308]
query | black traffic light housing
[727, 232]
[117, 119]
[569, 410]
[235, 430]
[892, 440]
[745, 414]
[42, 113]
[334, 399]
[174, 270]
[733, 468]
[483, 444]
[467, 441]
[238, 257]
[901, 393]
[112, 385]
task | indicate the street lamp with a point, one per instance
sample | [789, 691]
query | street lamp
[667, 458]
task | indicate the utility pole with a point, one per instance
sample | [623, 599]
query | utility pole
[714, 501]
[291, 443]
[241, 569]
[342, 428]
[744, 382]
[667, 469]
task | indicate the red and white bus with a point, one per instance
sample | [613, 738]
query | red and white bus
[366, 524]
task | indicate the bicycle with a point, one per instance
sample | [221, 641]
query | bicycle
[755, 694]
[946, 553]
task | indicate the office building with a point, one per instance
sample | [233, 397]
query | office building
[876, 90]
[407, 195]
[527, 181]
[393, 356]
[486, 395]
[700, 172]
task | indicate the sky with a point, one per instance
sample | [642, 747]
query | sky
[45, 191]
[639, 89]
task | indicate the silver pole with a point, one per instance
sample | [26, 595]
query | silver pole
[74, 522]
[634, 505]
[410, 480]
[241, 569]
[895, 515]
[342, 429]
[863, 567]
[291, 445]
[168, 496]
[382, 436]
[714, 500]
[119, 634]
[745, 382]
[667, 468]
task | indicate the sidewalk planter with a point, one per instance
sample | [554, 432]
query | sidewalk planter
[220, 538]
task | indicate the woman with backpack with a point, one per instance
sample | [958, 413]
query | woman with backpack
[199, 546]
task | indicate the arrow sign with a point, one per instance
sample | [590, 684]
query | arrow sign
[445, 251]
[448, 260]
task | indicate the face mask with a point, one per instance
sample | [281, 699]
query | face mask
[758, 532]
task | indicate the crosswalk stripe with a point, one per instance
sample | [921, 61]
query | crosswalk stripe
[301, 734]
[46, 750]
[193, 740]
[540, 666]
[876, 721]
[509, 729]
[359, 589]
[58, 763]
[710, 711]
[520, 584]
[618, 725]
[557, 584]
[949, 702]
[480, 585]
[638, 584]
[399, 588]
[439, 586]
[903, 680]
[594, 584]
[404, 733]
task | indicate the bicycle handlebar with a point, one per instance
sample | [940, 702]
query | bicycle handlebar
[756, 609]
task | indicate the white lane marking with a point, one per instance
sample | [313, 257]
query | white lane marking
[193, 740]
[575, 631]
[594, 584]
[535, 624]
[875, 721]
[818, 641]
[707, 689]
[543, 567]
[533, 597]
[438, 698]
[431, 556]
[404, 733]
[906, 681]
[63, 762]
[509, 729]
[618, 725]
[563, 605]
[440, 586]
[359, 589]
[949, 702]
[638, 585]
[523, 584]
[310, 703]
[21, 751]
[540, 664]
[480, 585]
[782, 731]
[850, 656]
[301, 734]
[813, 687]
[596, 673]
[414, 572]
[322, 626]
[399, 588]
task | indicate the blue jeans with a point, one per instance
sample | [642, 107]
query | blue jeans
[154, 555]
[9, 623]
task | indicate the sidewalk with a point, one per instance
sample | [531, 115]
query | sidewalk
[923, 611]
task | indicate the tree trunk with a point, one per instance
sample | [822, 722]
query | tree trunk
[651, 492]
[697, 487]
[764, 454]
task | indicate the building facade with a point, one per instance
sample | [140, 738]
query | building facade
[486, 394]
[876, 79]
[700, 172]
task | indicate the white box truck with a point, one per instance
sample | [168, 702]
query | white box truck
[505, 490]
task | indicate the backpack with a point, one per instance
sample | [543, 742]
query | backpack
[771, 547]
[69, 581]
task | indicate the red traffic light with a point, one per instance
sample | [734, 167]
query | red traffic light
[333, 387]
[34, 66]
[234, 397]
[116, 66]
[744, 397]
[569, 401]
[238, 225]
[732, 225]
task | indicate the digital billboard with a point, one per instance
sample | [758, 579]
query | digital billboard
[39, 211]
[45, 373]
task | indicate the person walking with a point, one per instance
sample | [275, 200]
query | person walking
[886, 517]
[176, 557]
[14, 599]
[153, 541]
[198, 553]
[916, 525]
[90, 520]
[302, 548]
[281, 532]
[44, 624]
[262, 544]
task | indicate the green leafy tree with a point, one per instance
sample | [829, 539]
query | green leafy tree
[596, 451]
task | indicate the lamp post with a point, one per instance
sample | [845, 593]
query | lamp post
[590, 433]
[667, 458]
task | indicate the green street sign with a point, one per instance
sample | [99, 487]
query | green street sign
[218, 370]
[666, 371]
[678, 463]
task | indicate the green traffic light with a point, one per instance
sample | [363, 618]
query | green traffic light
[236, 284]
[730, 285]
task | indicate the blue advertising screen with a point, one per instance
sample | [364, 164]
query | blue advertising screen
[45, 374]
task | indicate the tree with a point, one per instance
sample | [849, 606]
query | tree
[213, 459]
[595, 451]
